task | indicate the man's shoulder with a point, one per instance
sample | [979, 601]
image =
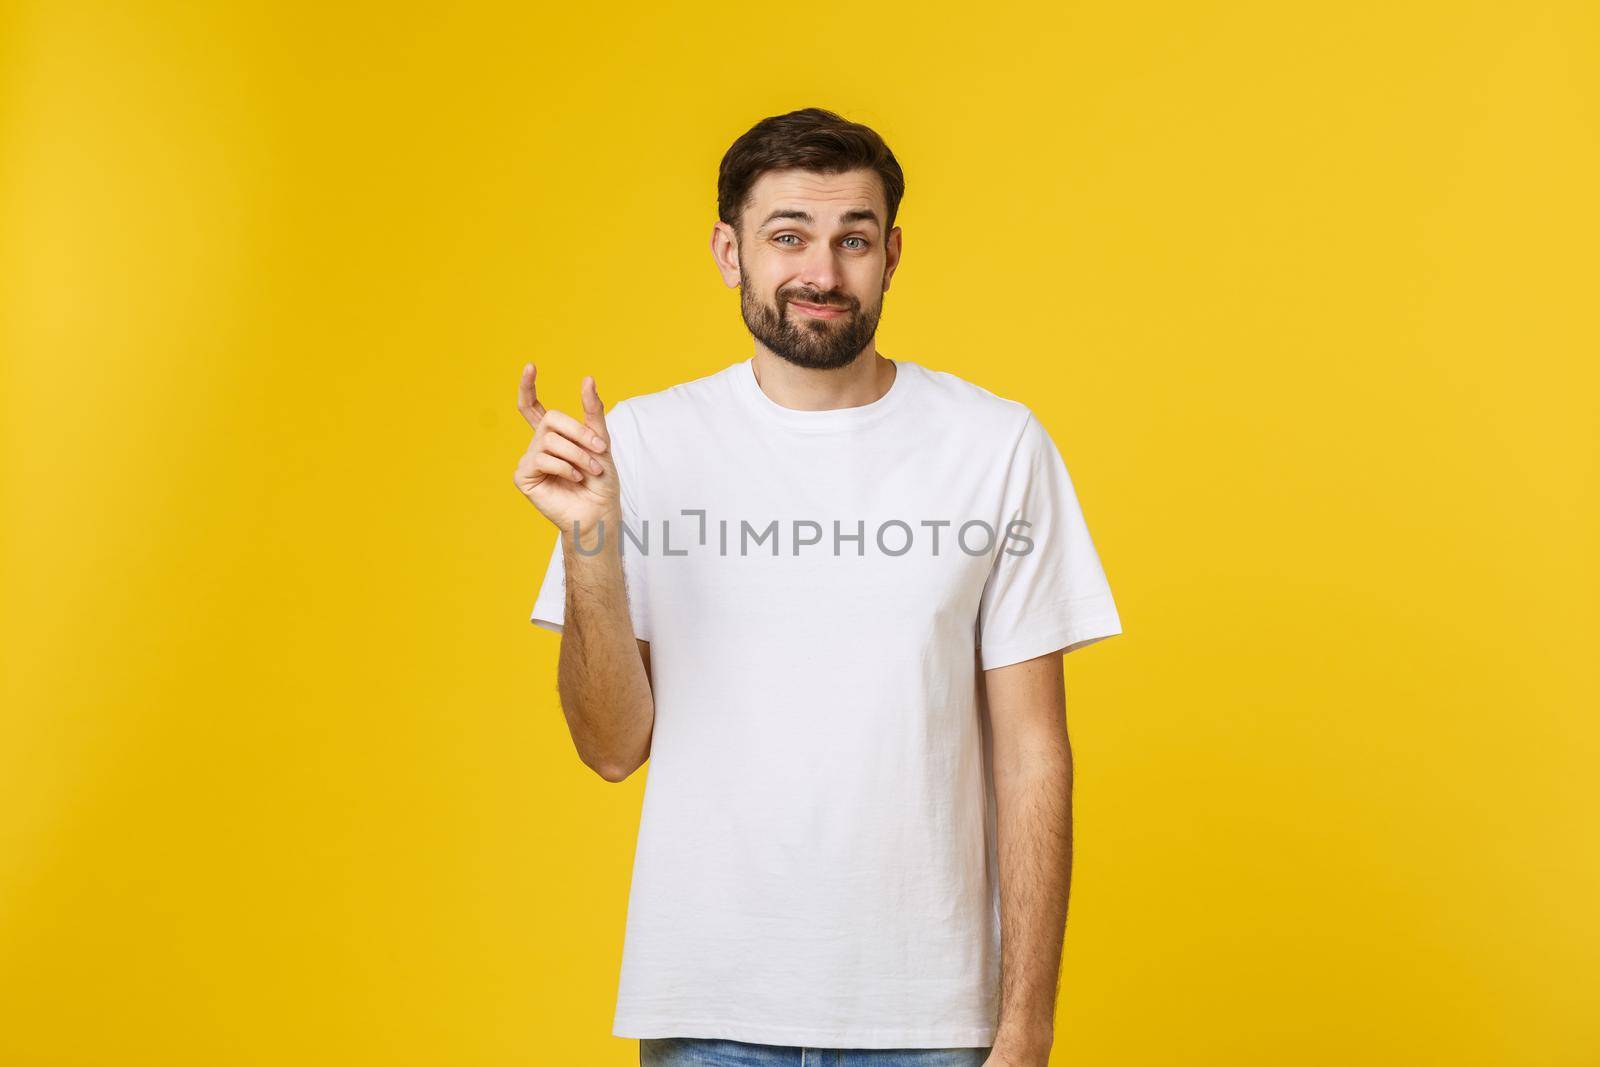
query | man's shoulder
[708, 389]
[945, 395]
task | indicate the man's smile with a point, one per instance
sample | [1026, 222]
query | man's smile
[818, 311]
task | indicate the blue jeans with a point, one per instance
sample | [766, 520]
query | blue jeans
[719, 1052]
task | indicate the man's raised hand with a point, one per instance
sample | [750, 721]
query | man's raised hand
[568, 472]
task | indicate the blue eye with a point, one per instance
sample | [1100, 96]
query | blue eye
[857, 248]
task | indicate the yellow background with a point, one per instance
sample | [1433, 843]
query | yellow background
[1305, 294]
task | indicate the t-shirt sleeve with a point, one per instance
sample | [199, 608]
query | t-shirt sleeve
[549, 606]
[1047, 591]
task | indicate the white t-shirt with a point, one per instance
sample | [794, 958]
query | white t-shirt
[816, 862]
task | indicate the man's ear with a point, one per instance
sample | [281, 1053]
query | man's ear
[891, 256]
[725, 252]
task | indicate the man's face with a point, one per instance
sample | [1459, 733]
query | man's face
[814, 264]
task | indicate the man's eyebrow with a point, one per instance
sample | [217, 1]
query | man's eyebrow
[854, 215]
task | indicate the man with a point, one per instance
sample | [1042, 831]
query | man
[827, 594]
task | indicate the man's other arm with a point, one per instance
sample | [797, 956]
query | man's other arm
[604, 671]
[1026, 705]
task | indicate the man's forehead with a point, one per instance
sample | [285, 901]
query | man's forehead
[852, 196]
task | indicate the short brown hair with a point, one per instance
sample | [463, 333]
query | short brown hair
[809, 139]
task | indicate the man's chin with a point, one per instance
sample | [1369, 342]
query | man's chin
[802, 357]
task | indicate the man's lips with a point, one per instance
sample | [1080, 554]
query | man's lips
[819, 311]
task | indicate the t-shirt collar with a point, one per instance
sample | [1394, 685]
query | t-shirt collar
[828, 418]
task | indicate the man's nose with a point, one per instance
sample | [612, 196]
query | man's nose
[820, 270]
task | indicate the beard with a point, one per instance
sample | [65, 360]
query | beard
[820, 344]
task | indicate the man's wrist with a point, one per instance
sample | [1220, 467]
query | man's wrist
[594, 536]
[1024, 1047]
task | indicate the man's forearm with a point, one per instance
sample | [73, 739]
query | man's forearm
[1034, 816]
[605, 693]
